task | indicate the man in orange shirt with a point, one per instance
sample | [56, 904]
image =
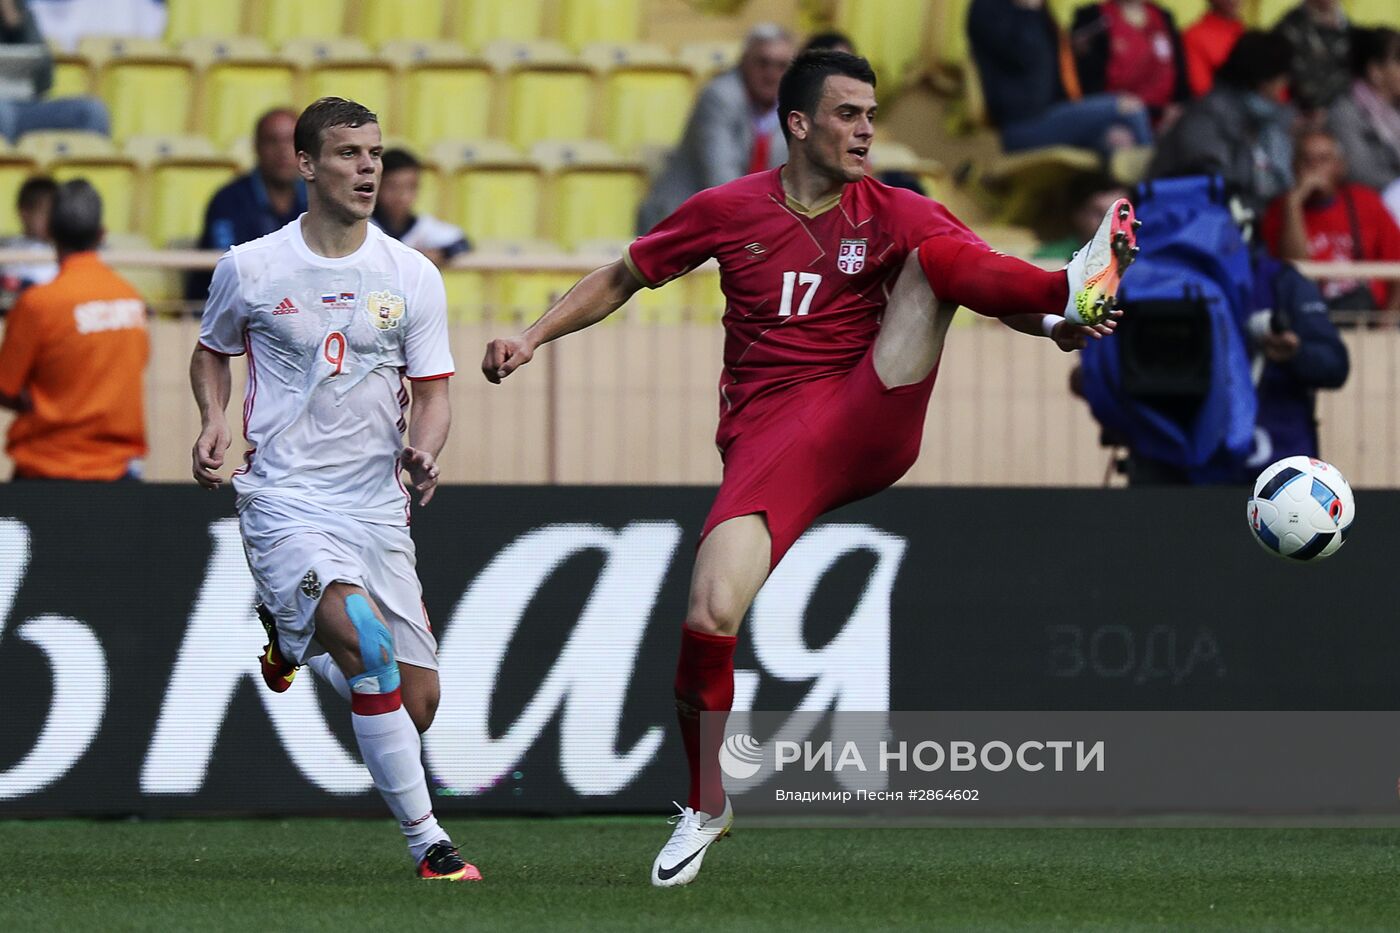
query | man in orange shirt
[73, 357]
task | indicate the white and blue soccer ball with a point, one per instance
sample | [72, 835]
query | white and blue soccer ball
[1301, 509]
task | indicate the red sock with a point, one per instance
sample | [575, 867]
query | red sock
[704, 683]
[988, 282]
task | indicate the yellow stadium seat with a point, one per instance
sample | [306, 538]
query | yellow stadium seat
[46, 145]
[15, 170]
[401, 19]
[1026, 180]
[705, 298]
[179, 190]
[113, 176]
[72, 76]
[525, 295]
[585, 21]
[476, 23]
[1267, 13]
[148, 150]
[1185, 12]
[98, 50]
[1375, 13]
[645, 103]
[592, 194]
[467, 295]
[446, 100]
[549, 93]
[890, 33]
[707, 59]
[279, 21]
[948, 36]
[344, 68]
[147, 95]
[187, 19]
[493, 193]
[206, 52]
[235, 92]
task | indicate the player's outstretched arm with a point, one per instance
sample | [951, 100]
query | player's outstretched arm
[209, 377]
[594, 297]
[429, 420]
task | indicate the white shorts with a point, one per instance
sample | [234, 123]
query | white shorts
[295, 550]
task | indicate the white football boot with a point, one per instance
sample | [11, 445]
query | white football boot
[1096, 271]
[679, 861]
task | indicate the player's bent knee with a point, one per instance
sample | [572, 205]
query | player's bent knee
[709, 621]
[380, 678]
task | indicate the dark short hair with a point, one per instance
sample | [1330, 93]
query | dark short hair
[802, 83]
[324, 114]
[827, 40]
[396, 160]
[1372, 47]
[75, 223]
[35, 189]
[1257, 58]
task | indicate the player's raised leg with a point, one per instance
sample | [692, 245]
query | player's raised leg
[730, 568]
[353, 632]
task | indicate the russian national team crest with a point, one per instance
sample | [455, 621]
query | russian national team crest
[385, 309]
[851, 257]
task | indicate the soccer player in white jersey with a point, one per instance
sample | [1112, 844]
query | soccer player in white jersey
[333, 314]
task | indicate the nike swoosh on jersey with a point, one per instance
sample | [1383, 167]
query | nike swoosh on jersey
[666, 874]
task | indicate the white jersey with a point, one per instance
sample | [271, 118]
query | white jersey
[328, 342]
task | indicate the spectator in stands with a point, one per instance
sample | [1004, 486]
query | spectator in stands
[34, 204]
[73, 359]
[1366, 121]
[393, 212]
[1241, 129]
[733, 129]
[268, 198]
[1088, 194]
[1031, 89]
[1319, 36]
[1208, 42]
[1326, 219]
[26, 74]
[1131, 47]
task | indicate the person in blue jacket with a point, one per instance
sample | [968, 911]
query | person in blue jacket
[1297, 351]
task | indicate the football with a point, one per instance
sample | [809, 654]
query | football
[1301, 509]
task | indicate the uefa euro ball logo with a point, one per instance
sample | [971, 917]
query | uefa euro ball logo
[740, 756]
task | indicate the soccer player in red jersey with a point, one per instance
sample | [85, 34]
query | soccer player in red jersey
[827, 371]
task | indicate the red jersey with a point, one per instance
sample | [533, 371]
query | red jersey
[1141, 60]
[1333, 229]
[804, 288]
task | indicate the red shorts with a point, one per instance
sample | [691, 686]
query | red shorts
[818, 446]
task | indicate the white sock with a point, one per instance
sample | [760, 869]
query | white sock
[392, 751]
[326, 668]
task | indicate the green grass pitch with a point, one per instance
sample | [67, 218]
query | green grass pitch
[585, 874]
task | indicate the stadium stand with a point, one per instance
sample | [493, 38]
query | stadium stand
[494, 191]
[240, 80]
[548, 92]
[279, 21]
[403, 19]
[345, 67]
[131, 81]
[591, 192]
[586, 21]
[646, 94]
[477, 24]
[14, 170]
[203, 19]
[444, 92]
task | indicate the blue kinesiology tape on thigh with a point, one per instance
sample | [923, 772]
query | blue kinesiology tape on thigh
[381, 673]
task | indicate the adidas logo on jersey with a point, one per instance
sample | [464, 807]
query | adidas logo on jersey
[285, 306]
